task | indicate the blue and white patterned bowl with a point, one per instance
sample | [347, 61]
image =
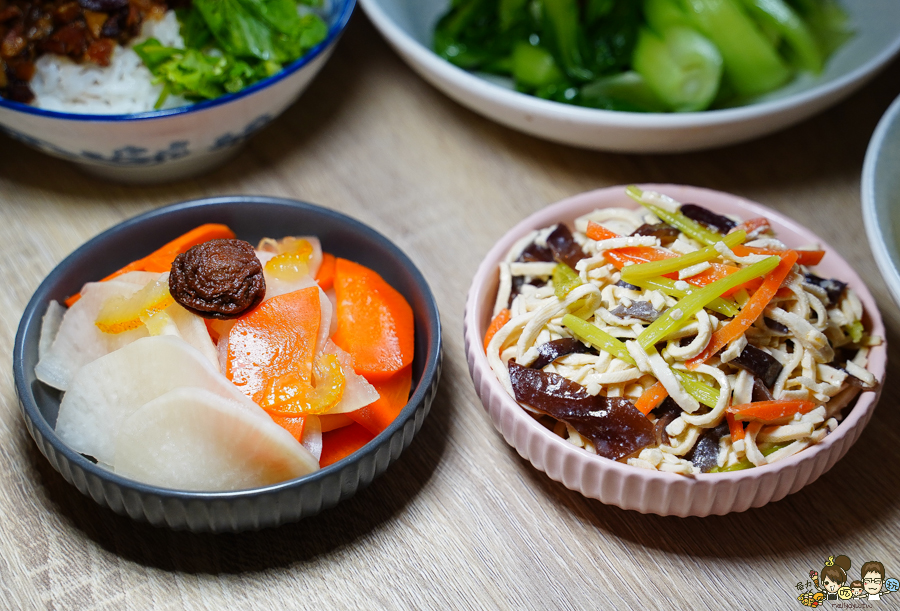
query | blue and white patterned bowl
[165, 145]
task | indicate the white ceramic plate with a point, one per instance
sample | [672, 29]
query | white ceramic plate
[881, 197]
[630, 487]
[408, 26]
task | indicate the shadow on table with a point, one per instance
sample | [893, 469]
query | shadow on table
[856, 497]
[320, 535]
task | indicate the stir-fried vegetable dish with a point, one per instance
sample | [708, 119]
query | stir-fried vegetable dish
[643, 55]
[674, 338]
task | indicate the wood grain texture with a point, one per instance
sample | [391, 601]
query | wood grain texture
[460, 521]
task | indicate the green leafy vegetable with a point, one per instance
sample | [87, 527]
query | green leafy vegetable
[230, 44]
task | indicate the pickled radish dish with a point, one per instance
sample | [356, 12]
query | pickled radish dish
[673, 338]
[211, 364]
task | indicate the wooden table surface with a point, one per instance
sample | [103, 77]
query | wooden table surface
[460, 521]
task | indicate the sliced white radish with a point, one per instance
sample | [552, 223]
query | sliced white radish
[79, 341]
[50, 327]
[312, 436]
[192, 329]
[191, 439]
[357, 390]
[108, 390]
[270, 245]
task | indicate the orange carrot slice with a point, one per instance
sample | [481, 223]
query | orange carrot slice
[757, 224]
[325, 275]
[374, 321]
[748, 315]
[497, 323]
[596, 231]
[393, 396]
[652, 397]
[804, 257]
[734, 427]
[770, 412]
[330, 422]
[343, 442]
[161, 259]
[274, 341]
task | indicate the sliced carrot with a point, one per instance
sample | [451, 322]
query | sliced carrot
[393, 396]
[748, 315]
[292, 424]
[734, 427]
[652, 397]
[331, 422]
[757, 224]
[374, 321]
[497, 323]
[343, 442]
[325, 275]
[274, 341]
[769, 412]
[804, 257]
[596, 231]
[161, 259]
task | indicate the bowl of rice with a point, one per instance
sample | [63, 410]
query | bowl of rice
[581, 385]
[121, 121]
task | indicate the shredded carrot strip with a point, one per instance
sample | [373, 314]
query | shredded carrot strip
[770, 411]
[652, 397]
[753, 310]
[500, 319]
[734, 427]
[596, 231]
[804, 257]
[755, 224]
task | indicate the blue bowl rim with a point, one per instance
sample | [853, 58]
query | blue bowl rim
[334, 32]
[37, 306]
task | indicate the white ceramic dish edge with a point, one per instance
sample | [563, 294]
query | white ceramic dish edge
[643, 490]
[622, 132]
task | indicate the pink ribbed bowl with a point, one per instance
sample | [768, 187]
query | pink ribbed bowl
[643, 490]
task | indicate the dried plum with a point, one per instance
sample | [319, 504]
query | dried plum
[760, 363]
[642, 310]
[834, 289]
[720, 223]
[552, 350]
[665, 232]
[564, 247]
[705, 453]
[218, 279]
[615, 427]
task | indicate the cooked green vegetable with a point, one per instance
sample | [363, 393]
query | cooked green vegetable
[564, 280]
[231, 44]
[597, 337]
[647, 55]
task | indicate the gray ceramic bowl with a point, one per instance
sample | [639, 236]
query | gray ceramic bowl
[252, 218]
[881, 197]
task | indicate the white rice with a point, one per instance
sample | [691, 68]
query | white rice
[125, 86]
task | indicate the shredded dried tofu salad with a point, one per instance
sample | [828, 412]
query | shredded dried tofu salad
[677, 339]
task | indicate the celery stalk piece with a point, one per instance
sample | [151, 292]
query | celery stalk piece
[632, 273]
[773, 448]
[752, 64]
[704, 393]
[564, 280]
[684, 224]
[597, 337]
[508, 12]
[667, 286]
[681, 66]
[534, 66]
[779, 16]
[677, 317]
[738, 466]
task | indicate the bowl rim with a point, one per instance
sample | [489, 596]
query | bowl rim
[873, 218]
[29, 327]
[334, 31]
[485, 277]
[531, 105]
